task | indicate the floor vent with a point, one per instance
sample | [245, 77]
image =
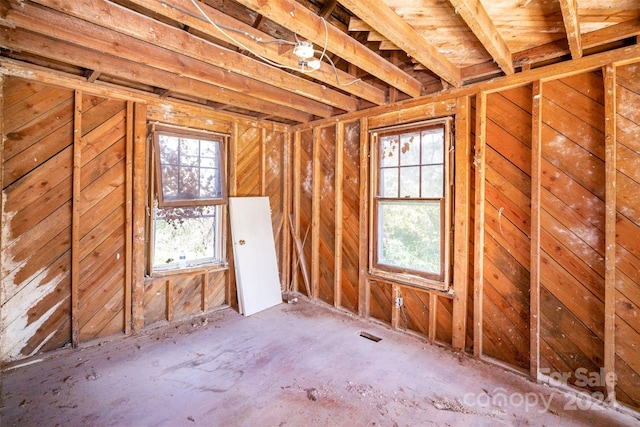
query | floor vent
[368, 336]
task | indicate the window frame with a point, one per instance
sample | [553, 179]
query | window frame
[399, 274]
[221, 139]
[154, 194]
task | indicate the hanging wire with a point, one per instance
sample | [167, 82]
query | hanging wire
[223, 30]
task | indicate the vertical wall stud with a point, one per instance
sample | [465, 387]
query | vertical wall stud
[139, 214]
[339, 175]
[478, 262]
[75, 218]
[461, 222]
[610, 227]
[536, 176]
[364, 291]
[433, 315]
[128, 263]
[286, 209]
[296, 194]
[315, 215]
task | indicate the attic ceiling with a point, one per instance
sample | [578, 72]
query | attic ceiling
[238, 56]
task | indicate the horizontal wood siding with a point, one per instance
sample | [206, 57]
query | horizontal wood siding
[507, 214]
[36, 218]
[627, 320]
[572, 226]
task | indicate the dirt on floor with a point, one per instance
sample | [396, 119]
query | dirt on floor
[298, 364]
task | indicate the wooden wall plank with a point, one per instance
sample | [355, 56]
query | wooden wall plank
[324, 213]
[622, 231]
[507, 213]
[139, 197]
[572, 221]
[350, 218]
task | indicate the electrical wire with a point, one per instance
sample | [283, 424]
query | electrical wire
[221, 28]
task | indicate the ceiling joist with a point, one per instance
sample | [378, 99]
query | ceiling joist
[140, 27]
[307, 24]
[572, 26]
[476, 17]
[401, 34]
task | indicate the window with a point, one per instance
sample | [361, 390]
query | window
[411, 203]
[190, 196]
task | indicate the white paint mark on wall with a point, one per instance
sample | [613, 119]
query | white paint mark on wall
[306, 184]
[14, 324]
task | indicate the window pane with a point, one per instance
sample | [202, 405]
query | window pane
[432, 181]
[410, 182]
[432, 146]
[389, 151]
[389, 182]
[189, 169]
[410, 149]
[183, 236]
[409, 235]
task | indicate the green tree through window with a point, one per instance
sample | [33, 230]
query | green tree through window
[410, 200]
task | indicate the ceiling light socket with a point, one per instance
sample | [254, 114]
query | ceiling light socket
[303, 50]
[314, 64]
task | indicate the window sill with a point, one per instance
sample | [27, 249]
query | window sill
[197, 268]
[408, 280]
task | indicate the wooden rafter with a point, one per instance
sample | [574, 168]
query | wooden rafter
[572, 26]
[476, 17]
[307, 24]
[123, 21]
[328, 9]
[22, 40]
[397, 31]
[183, 11]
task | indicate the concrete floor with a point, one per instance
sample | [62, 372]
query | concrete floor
[301, 364]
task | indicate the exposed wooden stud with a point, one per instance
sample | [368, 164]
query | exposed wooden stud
[364, 291]
[169, 284]
[303, 22]
[534, 269]
[286, 208]
[128, 222]
[258, 21]
[92, 75]
[232, 169]
[296, 194]
[328, 9]
[204, 291]
[75, 218]
[478, 241]
[572, 26]
[315, 214]
[139, 215]
[461, 222]
[433, 315]
[302, 261]
[610, 101]
[339, 176]
[476, 17]
[395, 308]
[394, 28]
